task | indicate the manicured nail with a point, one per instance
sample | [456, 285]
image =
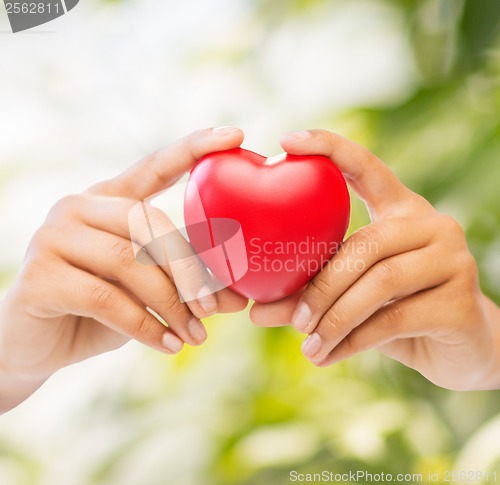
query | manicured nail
[207, 301]
[225, 130]
[197, 330]
[172, 342]
[301, 135]
[302, 317]
[311, 345]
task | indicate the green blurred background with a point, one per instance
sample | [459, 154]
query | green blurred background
[416, 81]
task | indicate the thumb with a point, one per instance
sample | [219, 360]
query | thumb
[161, 169]
[370, 178]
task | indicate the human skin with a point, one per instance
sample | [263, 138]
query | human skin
[415, 296]
[82, 292]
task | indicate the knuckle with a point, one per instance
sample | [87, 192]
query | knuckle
[419, 202]
[369, 234]
[32, 274]
[26, 291]
[348, 345]
[103, 296]
[157, 175]
[392, 316]
[412, 203]
[190, 270]
[102, 188]
[43, 238]
[37, 274]
[468, 263]
[158, 221]
[190, 265]
[192, 142]
[66, 206]
[97, 188]
[450, 227]
[173, 303]
[152, 164]
[123, 253]
[329, 138]
[467, 267]
[147, 325]
[320, 289]
[331, 321]
[388, 273]
[196, 134]
[331, 135]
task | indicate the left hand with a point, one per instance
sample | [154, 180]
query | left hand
[81, 290]
[414, 294]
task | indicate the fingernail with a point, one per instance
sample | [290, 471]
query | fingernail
[207, 301]
[197, 330]
[311, 345]
[172, 342]
[225, 130]
[301, 135]
[302, 317]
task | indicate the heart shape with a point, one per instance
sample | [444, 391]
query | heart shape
[265, 226]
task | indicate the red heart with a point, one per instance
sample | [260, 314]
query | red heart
[293, 211]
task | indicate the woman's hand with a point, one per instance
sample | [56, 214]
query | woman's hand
[405, 284]
[81, 291]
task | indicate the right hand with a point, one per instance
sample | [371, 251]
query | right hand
[406, 284]
[81, 291]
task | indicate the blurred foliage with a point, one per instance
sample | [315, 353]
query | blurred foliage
[444, 141]
[265, 411]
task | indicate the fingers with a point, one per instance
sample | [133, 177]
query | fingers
[395, 329]
[112, 257]
[275, 314]
[164, 167]
[371, 179]
[388, 280]
[149, 227]
[397, 320]
[230, 302]
[89, 296]
[167, 247]
[141, 222]
[111, 214]
[362, 250]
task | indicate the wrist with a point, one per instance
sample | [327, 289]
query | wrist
[492, 377]
[16, 387]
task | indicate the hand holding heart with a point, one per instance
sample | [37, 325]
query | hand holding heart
[81, 290]
[417, 297]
